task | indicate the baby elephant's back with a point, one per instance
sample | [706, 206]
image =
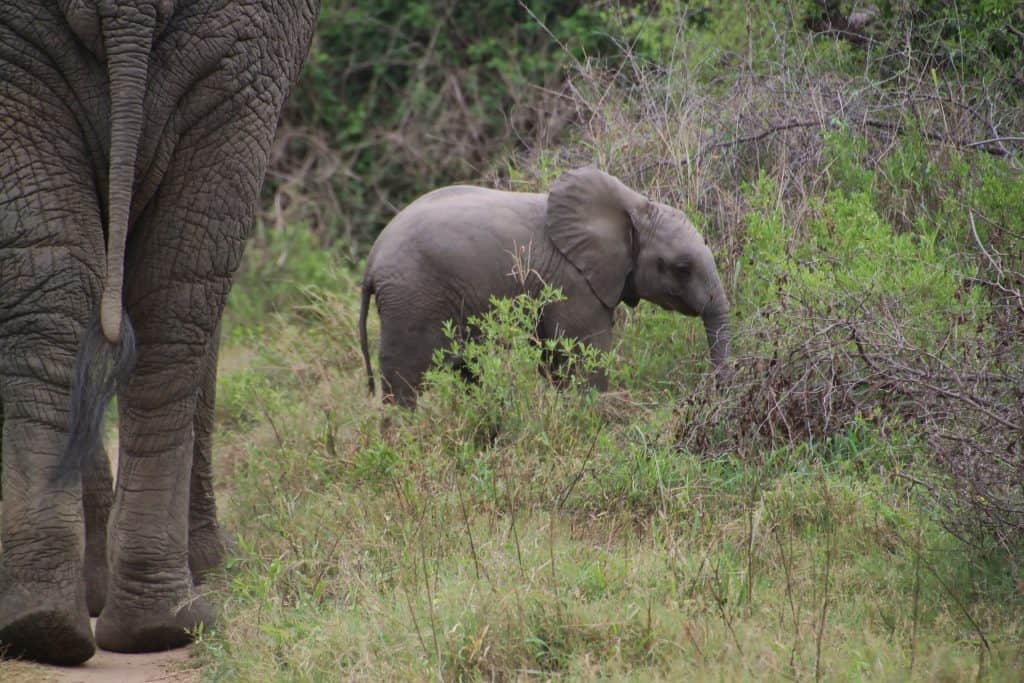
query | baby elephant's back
[460, 237]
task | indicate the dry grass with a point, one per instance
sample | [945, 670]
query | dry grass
[809, 120]
[568, 544]
[793, 525]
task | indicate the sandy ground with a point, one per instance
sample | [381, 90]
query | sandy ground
[107, 667]
[172, 666]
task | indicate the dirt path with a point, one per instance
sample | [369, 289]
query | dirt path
[108, 667]
[114, 667]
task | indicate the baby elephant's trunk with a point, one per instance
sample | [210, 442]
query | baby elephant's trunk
[716, 325]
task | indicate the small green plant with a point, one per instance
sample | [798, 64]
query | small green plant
[508, 367]
[244, 396]
[376, 463]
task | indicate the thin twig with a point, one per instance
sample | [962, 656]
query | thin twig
[824, 603]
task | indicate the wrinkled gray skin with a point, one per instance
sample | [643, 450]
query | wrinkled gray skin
[134, 137]
[448, 252]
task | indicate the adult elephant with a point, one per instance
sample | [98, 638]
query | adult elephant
[445, 255]
[134, 136]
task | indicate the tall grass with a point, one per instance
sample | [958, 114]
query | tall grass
[848, 508]
[570, 535]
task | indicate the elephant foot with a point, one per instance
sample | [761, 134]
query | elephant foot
[37, 624]
[162, 626]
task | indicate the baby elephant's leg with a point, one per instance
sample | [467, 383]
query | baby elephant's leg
[591, 325]
[406, 349]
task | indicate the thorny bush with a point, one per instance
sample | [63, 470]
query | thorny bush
[870, 232]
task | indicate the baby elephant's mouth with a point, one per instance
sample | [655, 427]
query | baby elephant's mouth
[679, 304]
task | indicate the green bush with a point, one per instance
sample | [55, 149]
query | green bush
[657, 351]
[506, 365]
[278, 270]
[967, 36]
[398, 98]
[851, 264]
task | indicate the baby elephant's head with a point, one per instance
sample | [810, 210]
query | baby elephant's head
[629, 248]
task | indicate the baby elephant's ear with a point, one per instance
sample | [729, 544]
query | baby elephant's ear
[589, 221]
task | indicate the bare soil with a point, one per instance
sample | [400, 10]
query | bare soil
[108, 667]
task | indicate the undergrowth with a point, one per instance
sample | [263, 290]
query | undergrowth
[847, 508]
[569, 533]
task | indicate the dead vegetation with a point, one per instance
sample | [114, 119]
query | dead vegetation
[934, 154]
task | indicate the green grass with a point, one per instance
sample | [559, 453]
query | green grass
[664, 530]
[808, 521]
[569, 538]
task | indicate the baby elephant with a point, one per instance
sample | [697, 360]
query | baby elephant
[601, 243]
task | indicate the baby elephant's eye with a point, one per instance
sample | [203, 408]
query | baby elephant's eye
[681, 267]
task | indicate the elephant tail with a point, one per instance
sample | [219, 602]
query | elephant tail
[128, 36]
[100, 368]
[364, 305]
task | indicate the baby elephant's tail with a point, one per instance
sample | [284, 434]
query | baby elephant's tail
[364, 304]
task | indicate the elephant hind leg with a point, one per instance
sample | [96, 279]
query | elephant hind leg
[97, 499]
[52, 251]
[207, 544]
[152, 603]
[43, 613]
[406, 350]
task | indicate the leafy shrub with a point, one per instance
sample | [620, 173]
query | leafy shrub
[508, 367]
[657, 351]
[851, 264]
[398, 98]
[970, 36]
